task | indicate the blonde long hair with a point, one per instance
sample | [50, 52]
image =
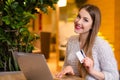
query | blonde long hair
[95, 14]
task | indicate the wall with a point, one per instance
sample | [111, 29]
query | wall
[49, 21]
[107, 11]
[117, 31]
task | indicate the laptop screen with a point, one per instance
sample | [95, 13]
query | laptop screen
[34, 66]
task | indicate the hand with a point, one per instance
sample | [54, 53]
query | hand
[88, 64]
[66, 70]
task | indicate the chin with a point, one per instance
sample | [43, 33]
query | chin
[77, 32]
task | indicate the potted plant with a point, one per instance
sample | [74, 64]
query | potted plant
[14, 33]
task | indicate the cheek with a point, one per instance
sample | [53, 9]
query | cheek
[89, 25]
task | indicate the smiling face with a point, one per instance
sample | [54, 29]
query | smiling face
[83, 22]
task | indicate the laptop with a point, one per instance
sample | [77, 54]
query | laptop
[34, 66]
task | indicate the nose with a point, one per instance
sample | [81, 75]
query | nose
[78, 20]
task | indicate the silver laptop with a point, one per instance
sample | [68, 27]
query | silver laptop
[34, 66]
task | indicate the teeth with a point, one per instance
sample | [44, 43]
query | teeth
[78, 26]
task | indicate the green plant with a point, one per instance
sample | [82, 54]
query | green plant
[79, 3]
[14, 24]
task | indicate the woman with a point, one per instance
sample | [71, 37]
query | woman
[99, 62]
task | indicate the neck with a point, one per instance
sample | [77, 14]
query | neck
[82, 39]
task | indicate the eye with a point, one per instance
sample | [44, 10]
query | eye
[85, 19]
[78, 16]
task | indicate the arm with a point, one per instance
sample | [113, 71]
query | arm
[67, 69]
[97, 74]
[108, 63]
[88, 64]
[66, 56]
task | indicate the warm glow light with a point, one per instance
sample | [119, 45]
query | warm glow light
[62, 3]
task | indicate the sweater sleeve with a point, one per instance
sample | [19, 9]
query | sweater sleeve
[69, 47]
[107, 62]
[66, 55]
[65, 60]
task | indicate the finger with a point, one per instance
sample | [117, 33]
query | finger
[83, 60]
[73, 73]
[59, 75]
[62, 73]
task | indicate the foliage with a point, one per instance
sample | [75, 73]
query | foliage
[79, 3]
[14, 34]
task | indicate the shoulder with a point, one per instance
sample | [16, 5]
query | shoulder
[73, 41]
[73, 38]
[102, 47]
[100, 42]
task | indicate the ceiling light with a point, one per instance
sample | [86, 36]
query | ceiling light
[62, 3]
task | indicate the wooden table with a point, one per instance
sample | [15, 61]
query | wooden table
[15, 75]
[69, 77]
[18, 75]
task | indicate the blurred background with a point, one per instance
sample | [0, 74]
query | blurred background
[56, 27]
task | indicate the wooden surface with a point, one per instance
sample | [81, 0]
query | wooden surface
[69, 77]
[17, 75]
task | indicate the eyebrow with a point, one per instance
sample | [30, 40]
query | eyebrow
[86, 18]
[80, 16]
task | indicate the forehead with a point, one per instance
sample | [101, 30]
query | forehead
[84, 13]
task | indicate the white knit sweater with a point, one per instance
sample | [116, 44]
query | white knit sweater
[103, 57]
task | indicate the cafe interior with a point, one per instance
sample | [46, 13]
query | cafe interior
[57, 26]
